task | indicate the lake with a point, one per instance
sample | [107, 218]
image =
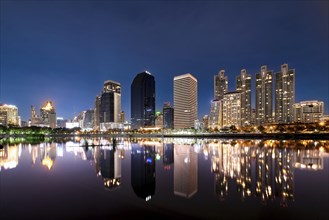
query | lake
[170, 178]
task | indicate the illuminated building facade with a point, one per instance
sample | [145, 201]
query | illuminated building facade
[220, 85]
[86, 119]
[243, 85]
[308, 111]
[216, 114]
[284, 94]
[168, 116]
[48, 114]
[185, 101]
[9, 115]
[159, 120]
[96, 112]
[185, 171]
[143, 101]
[264, 99]
[232, 109]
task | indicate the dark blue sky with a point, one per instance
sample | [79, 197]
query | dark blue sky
[65, 50]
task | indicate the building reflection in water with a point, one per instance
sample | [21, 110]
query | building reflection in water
[48, 154]
[9, 156]
[168, 155]
[270, 168]
[143, 170]
[185, 171]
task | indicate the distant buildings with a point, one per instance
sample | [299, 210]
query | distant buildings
[284, 94]
[47, 117]
[159, 120]
[9, 115]
[185, 101]
[264, 98]
[86, 119]
[143, 101]
[168, 116]
[308, 111]
[232, 109]
[243, 85]
[108, 107]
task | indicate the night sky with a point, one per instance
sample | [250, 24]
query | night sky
[64, 50]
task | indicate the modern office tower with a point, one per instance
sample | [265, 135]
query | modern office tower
[86, 119]
[122, 117]
[284, 94]
[308, 111]
[143, 170]
[60, 122]
[264, 96]
[110, 167]
[185, 101]
[48, 114]
[185, 171]
[110, 106]
[232, 109]
[220, 85]
[143, 101]
[8, 115]
[205, 121]
[216, 114]
[253, 117]
[168, 116]
[96, 112]
[243, 85]
[159, 120]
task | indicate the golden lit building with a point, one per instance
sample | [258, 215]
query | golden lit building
[48, 114]
[232, 109]
[308, 111]
[8, 115]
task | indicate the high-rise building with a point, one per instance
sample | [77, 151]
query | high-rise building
[108, 107]
[243, 85]
[264, 98]
[308, 111]
[284, 94]
[168, 116]
[96, 112]
[220, 85]
[159, 120]
[8, 115]
[143, 101]
[86, 119]
[185, 101]
[48, 114]
[232, 109]
[122, 117]
[216, 114]
[205, 121]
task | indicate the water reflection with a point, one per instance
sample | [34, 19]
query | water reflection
[261, 169]
[143, 170]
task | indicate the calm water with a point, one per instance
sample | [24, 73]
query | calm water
[171, 178]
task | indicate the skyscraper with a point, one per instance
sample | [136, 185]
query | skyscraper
[143, 101]
[168, 116]
[48, 114]
[284, 94]
[220, 85]
[108, 106]
[232, 109]
[216, 117]
[185, 101]
[243, 85]
[264, 96]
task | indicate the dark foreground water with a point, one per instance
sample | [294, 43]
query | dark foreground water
[168, 178]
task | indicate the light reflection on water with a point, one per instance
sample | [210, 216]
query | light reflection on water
[262, 172]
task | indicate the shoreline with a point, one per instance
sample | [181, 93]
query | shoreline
[275, 136]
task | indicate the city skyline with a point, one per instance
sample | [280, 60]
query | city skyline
[114, 41]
